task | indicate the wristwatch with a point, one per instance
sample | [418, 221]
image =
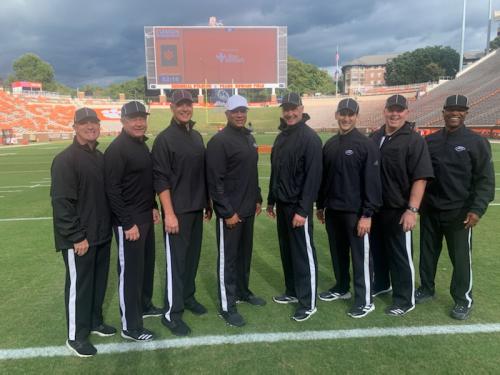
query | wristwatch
[412, 209]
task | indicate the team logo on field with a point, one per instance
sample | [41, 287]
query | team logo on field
[349, 152]
[460, 148]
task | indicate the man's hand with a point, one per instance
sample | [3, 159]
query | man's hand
[320, 214]
[471, 220]
[258, 209]
[233, 221]
[208, 213]
[156, 216]
[408, 220]
[132, 234]
[270, 211]
[364, 225]
[81, 248]
[171, 224]
[298, 221]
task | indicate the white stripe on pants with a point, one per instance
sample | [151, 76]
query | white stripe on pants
[72, 296]
[312, 268]
[410, 263]
[467, 294]
[222, 285]
[366, 268]
[168, 258]
[121, 281]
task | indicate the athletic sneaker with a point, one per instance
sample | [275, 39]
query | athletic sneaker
[461, 312]
[331, 295]
[177, 326]
[138, 335]
[422, 295]
[285, 299]
[82, 348]
[103, 330]
[233, 319]
[302, 314]
[152, 311]
[361, 311]
[195, 307]
[252, 300]
[398, 310]
[381, 291]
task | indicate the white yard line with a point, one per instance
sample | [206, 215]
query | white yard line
[26, 219]
[255, 338]
[24, 186]
[36, 171]
[10, 191]
[9, 154]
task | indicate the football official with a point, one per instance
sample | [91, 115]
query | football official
[82, 231]
[349, 196]
[129, 186]
[405, 167]
[234, 188]
[179, 179]
[293, 188]
[454, 203]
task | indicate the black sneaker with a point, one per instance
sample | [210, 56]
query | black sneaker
[152, 311]
[178, 327]
[285, 299]
[422, 295]
[233, 319]
[252, 300]
[82, 348]
[330, 295]
[378, 292]
[103, 330]
[195, 307]
[138, 335]
[460, 312]
[361, 311]
[395, 310]
[303, 314]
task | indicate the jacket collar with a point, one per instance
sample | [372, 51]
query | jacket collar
[85, 147]
[173, 122]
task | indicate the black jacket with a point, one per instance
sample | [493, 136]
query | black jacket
[232, 175]
[404, 159]
[464, 171]
[351, 175]
[129, 181]
[295, 167]
[179, 166]
[79, 202]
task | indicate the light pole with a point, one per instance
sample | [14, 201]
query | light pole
[489, 30]
[463, 38]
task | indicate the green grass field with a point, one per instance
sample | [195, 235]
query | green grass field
[32, 307]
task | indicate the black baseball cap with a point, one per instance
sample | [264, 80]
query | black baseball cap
[456, 101]
[291, 98]
[349, 104]
[398, 100]
[134, 107]
[180, 95]
[85, 114]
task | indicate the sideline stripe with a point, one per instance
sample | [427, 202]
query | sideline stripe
[27, 218]
[62, 351]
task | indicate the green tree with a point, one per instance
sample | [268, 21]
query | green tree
[307, 78]
[495, 43]
[30, 67]
[422, 65]
[133, 89]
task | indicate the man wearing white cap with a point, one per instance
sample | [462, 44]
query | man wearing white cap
[234, 188]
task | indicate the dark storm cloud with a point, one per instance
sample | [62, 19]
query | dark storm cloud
[97, 41]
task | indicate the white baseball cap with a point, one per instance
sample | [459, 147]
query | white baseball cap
[236, 101]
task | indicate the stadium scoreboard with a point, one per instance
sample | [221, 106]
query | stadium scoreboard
[215, 57]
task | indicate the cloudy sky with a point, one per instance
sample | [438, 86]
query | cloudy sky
[101, 41]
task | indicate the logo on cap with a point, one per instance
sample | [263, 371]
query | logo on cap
[349, 152]
[460, 148]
